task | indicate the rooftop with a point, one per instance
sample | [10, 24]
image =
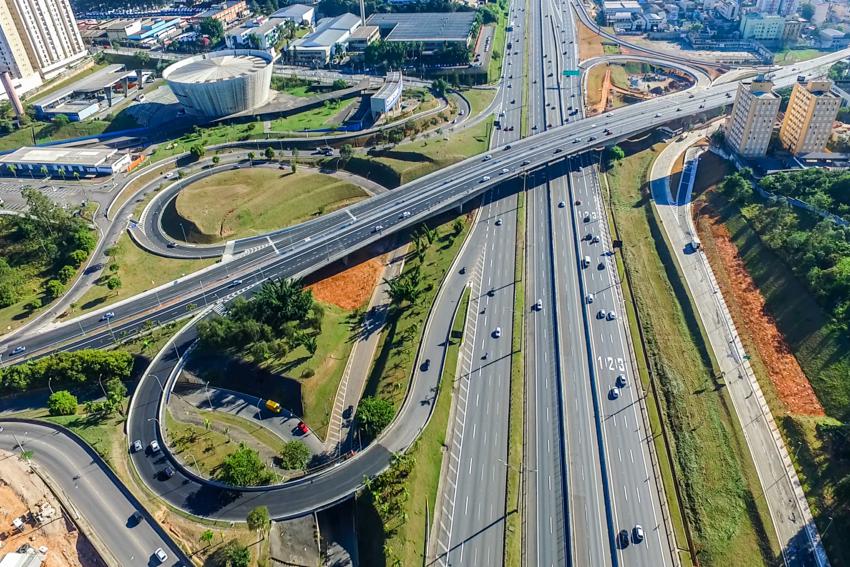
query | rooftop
[216, 66]
[425, 26]
[330, 31]
[90, 157]
[610, 5]
[832, 33]
[261, 28]
[292, 11]
[95, 82]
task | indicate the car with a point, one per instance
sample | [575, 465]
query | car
[378, 228]
[497, 333]
[135, 519]
[460, 113]
[561, 204]
[623, 539]
[612, 316]
[107, 316]
[658, 115]
[168, 472]
[525, 162]
[235, 283]
[94, 268]
[488, 157]
[404, 215]
[498, 222]
[172, 245]
[588, 236]
[578, 201]
[586, 217]
[426, 364]
[507, 147]
[154, 446]
[594, 240]
[539, 305]
[160, 555]
[600, 266]
[485, 179]
[513, 101]
[589, 298]
[348, 412]
[502, 113]
[136, 446]
[601, 314]
[141, 98]
[637, 533]
[462, 270]
[491, 292]
[302, 428]
[558, 150]
[505, 170]
[621, 381]
[691, 95]
[591, 138]
[585, 262]
[614, 393]
[18, 350]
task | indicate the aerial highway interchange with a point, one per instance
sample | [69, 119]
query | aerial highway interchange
[588, 470]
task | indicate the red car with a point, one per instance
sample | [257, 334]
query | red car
[302, 427]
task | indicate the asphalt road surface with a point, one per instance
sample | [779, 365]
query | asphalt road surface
[94, 491]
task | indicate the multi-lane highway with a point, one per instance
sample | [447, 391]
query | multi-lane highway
[631, 499]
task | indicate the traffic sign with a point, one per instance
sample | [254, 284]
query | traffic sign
[571, 72]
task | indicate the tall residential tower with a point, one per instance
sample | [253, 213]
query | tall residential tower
[808, 120]
[750, 125]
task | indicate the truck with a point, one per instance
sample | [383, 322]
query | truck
[272, 406]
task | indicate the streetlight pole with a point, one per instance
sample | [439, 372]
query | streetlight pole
[49, 386]
[204, 293]
[159, 382]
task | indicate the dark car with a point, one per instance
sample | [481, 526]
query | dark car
[94, 268]
[426, 364]
[348, 412]
[623, 539]
[167, 472]
[172, 245]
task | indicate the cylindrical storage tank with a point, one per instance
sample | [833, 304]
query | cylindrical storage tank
[221, 83]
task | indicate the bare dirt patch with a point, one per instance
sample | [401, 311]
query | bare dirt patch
[751, 315]
[352, 287]
[22, 492]
[589, 44]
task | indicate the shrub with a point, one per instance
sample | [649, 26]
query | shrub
[62, 402]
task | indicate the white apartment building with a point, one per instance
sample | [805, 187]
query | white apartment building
[38, 40]
[762, 27]
[807, 125]
[750, 125]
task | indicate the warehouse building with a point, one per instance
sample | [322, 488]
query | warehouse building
[299, 14]
[87, 162]
[317, 47]
[256, 33]
[434, 30]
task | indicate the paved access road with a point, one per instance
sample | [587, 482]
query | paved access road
[95, 493]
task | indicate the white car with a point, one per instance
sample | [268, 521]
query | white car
[498, 332]
[589, 298]
[160, 555]
[602, 313]
[612, 316]
[485, 179]
[154, 446]
[378, 228]
[107, 316]
[615, 393]
[498, 222]
[621, 381]
[488, 157]
[539, 305]
[505, 170]
[404, 215]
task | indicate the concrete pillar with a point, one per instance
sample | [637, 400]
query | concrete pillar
[6, 79]
[139, 78]
[108, 92]
[125, 82]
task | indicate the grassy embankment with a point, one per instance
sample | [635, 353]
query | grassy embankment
[823, 353]
[497, 47]
[791, 56]
[322, 117]
[408, 542]
[240, 203]
[722, 496]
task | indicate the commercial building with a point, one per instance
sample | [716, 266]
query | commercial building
[434, 30]
[362, 37]
[620, 10]
[793, 29]
[300, 14]
[763, 27]
[388, 96]
[750, 125]
[807, 125]
[86, 97]
[29, 161]
[257, 33]
[39, 39]
[728, 9]
[832, 39]
[221, 83]
[781, 7]
[154, 28]
[225, 12]
[331, 34]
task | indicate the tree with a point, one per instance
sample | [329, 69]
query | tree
[116, 391]
[54, 288]
[440, 86]
[61, 120]
[295, 455]
[43, 170]
[62, 402]
[258, 519]
[373, 415]
[113, 283]
[738, 188]
[61, 172]
[207, 537]
[66, 273]
[76, 176]
[269, 153]
[345, 152]
[339, 84]
[10, 281]
[12, 169]
[807, 11]
[243, 467]
[294, 160]
[236, 555]
[213, 28]
[197, 151]
[251, 156]
[215, 160]
[615, 153]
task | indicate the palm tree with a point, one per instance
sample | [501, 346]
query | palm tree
[76, 175]
[62, 173]
[44, 171]
[251, 156]
[11, 167]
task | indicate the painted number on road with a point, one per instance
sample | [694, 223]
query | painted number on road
[612, 364]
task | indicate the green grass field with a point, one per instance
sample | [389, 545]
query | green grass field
[322, 117]
[479, 99]
[207, 137]
[791, 56]
[139, 271]
[47, 132]
[244, 202]
[728, 521]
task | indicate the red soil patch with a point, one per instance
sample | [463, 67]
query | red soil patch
[751, 316]
[352, 287]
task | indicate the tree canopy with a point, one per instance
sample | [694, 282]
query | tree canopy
[295, 455]
[67, 369]
[373, 415]
[62, 402]
[243, 467]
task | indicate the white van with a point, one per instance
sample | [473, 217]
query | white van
[585, 262]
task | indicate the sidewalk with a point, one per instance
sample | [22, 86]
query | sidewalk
[360, 359]
[789, 509]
